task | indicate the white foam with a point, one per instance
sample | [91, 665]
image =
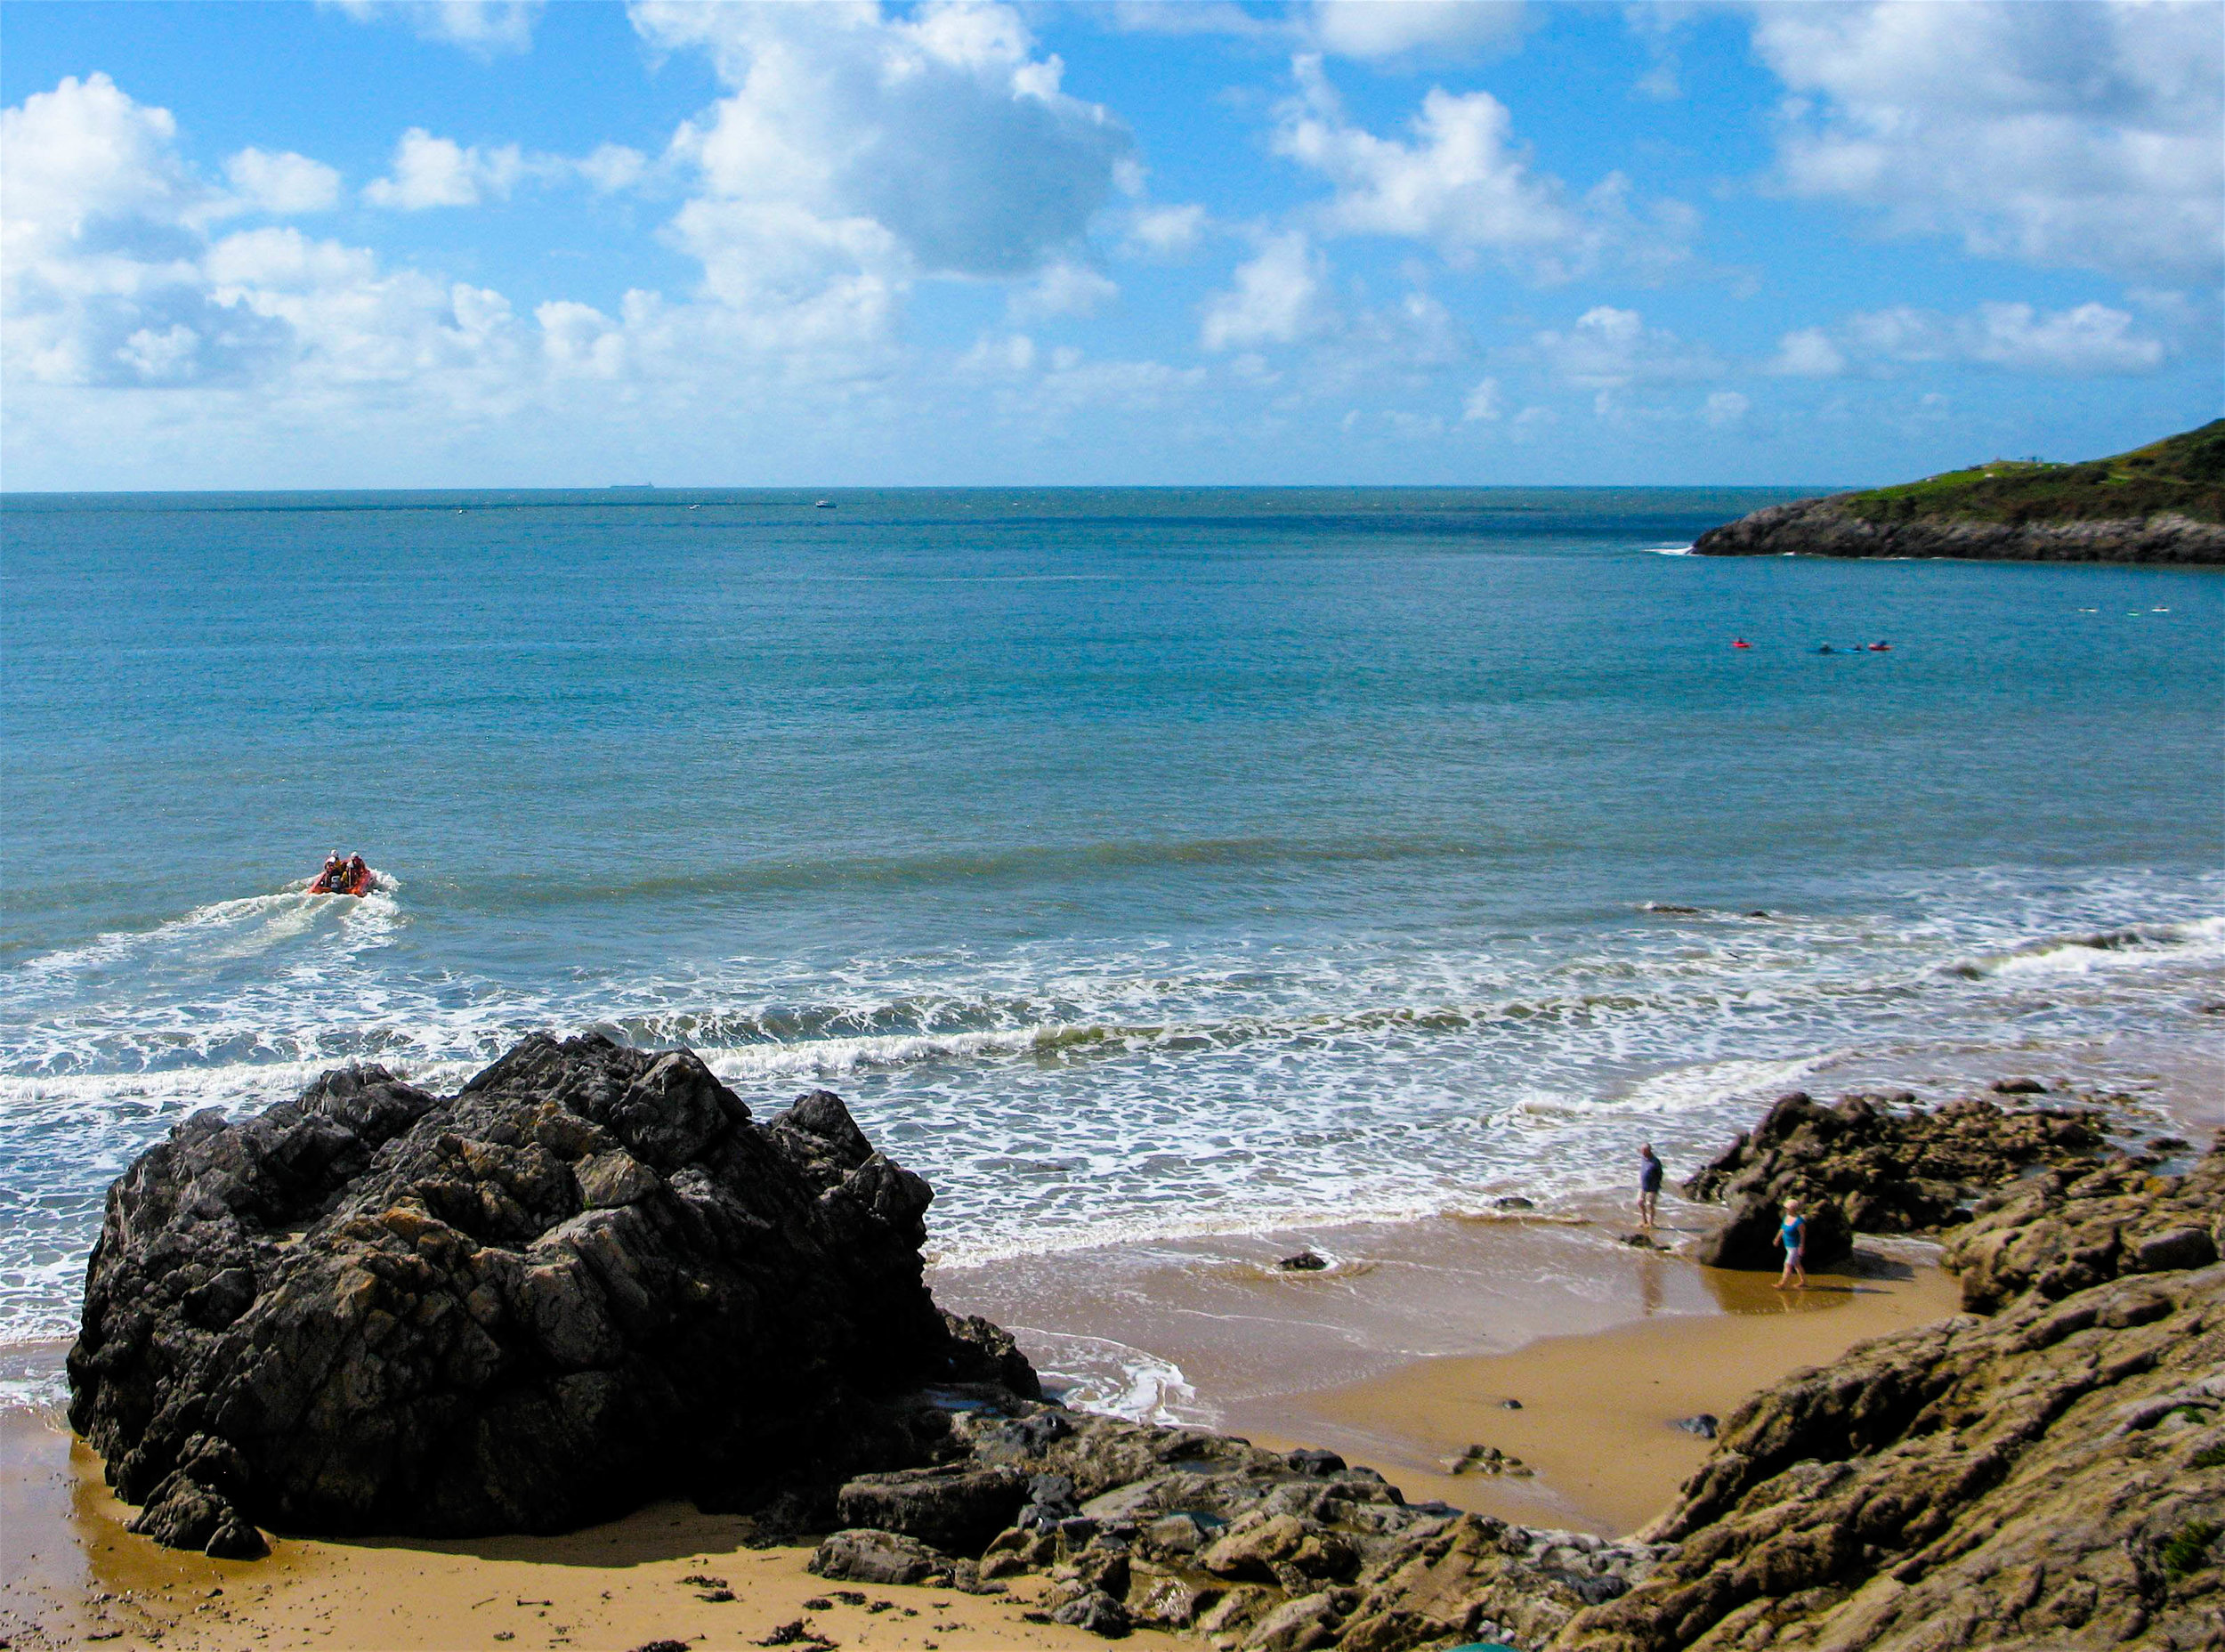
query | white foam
[2134, 947]
[1112, 1379]
[1718, 1083]
[1058, 1098]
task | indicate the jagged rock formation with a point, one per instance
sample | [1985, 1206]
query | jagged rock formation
[2061, 1232]
[587, 1279]
[1183, 1529]
[1862, 1166]
[2051, 1477]
[2163, 503]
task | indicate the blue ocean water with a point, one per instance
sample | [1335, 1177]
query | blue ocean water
[1138, 862]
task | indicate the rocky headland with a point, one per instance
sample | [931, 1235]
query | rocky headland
[590, 1279]
[2163, 503]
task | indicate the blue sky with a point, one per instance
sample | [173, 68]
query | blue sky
[452, 244]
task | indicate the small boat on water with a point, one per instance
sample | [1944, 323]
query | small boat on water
[352, 876]
[823, 505]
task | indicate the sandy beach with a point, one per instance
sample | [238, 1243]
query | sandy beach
[1285, 1359]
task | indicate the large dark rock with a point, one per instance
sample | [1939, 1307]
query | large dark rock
[957, 1509]
[588, 1279]
[1863, 1166]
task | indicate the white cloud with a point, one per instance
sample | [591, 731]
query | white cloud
[102, 229]
[1808, 353]
[1389, 28]
[483, 27]
[1482, 405]
[1462, 183]
[2089, 340]
[85, 155]
[1725, 408]
[281, 184]
[1277, 298]
[612, 167]
[1191, 17]
[942, 128]
[440, 172]
[1062, 289]
[429, 172]
[1374, 30]
[2084, 136]
[2092, 340]
[284, 258]
[1609, 348]
[1164, 232]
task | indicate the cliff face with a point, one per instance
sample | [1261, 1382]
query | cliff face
[2163, 503]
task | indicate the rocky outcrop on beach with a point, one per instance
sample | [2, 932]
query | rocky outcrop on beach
[2048, 1476]
[1140, 1526]
[2061, 1232]
[1875, 1164]
[1826, 527]
[587, 1279]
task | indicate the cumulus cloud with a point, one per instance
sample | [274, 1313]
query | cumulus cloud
[1373, 30]
[1608, 349]
[1482, 405]
[440, 172]
[116, 275]
[2092, 340]
[1461, 181]
[2086, 341]
[1725, 407]
[281, 184]
[101, 232]
[1164, 232]
[1376, 29]
[2084, 135]
[942, 130]
[484, 27]
[1808, 353]
[1276, 298]
[614, 166]
[1062, 289]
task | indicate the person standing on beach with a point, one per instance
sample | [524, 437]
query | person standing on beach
[1792, 1235]
[1648, 1185]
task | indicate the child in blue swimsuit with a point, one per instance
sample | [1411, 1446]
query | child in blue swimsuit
[1792, 1236]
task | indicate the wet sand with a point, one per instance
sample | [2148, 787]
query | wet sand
[75, 1577]
[1400, 1353]
[1597, 1413]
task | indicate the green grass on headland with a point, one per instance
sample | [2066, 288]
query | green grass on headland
[2185, 473]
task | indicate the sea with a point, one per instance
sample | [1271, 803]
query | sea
[1137, 863]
